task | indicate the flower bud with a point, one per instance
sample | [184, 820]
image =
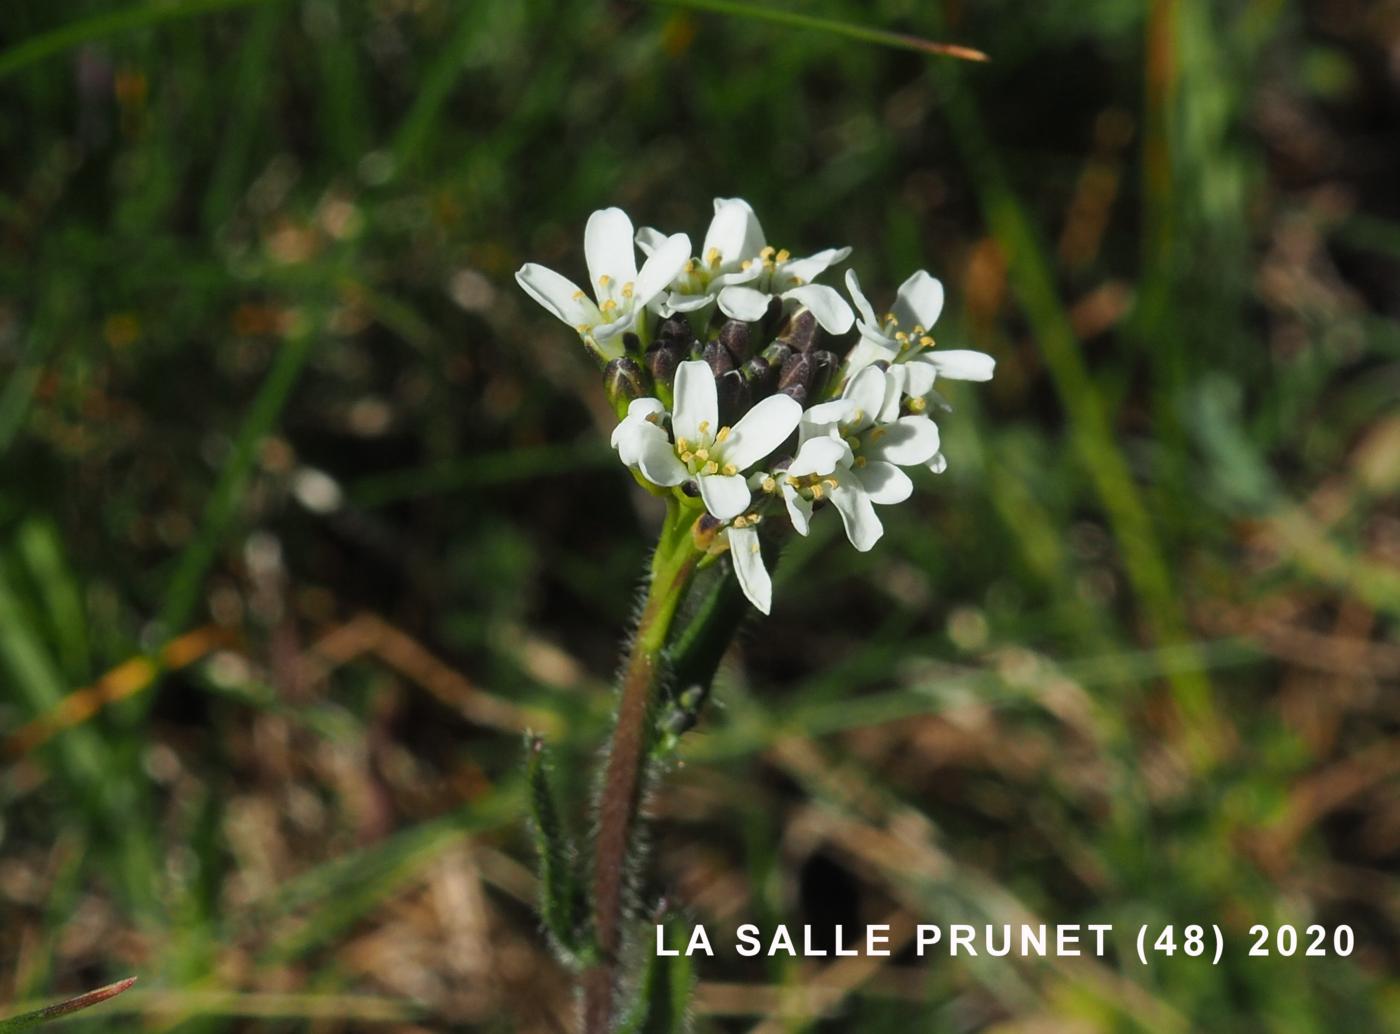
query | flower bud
[824, 367]
[625, 381]
[734, 397]
[737, 337]
[776, 354]
[796, 392]
[674, 328]
[721, 362]
[797, 370]
[762, 378]
[632, 343]
[800, 331]
[662, 358]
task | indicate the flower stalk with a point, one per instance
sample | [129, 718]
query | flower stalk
[673, 565]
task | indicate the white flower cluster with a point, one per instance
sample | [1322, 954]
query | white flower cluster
[727, 371]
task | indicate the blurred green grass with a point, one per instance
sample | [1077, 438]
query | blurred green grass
[1130, 660]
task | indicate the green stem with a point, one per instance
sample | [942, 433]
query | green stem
[672, 566]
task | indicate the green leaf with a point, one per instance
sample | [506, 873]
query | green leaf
[563, 902]
[662, 1002]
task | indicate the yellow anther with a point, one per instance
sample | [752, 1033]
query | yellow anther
[766, 253]
[918, 329]
[925, 342]
[901, 337]
[723, 434]
[710, 468]
[791, 480]
[782, 256]
[608, 306]
[857, 416]
[704, 427]
[917, 405]
[730, 470]
[687, 457]
[582, 328]
[702, 454]
[712, 257]
[877, 434]
[860, 461]
[770, 484]
[604, 280]
[628, 289]
[691, 266]
[682, 445]
[753, 548]
[796, 280]
[831, 482]
[889, 318]
[578, 296]
[816, 491]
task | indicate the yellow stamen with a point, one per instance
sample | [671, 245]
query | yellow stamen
[710, 468]
[687, 457]
[860, 461]
[782, 256]
[702, 454]
[604, 280]
[770, 484]
[926, 342]
[917, 405]
[816, 491]
[628, 289]
[712, 256]
[766, 253]
[682, 445]
[578, 296]
[730, 470]
[723, 434]
[901, 337]
[704, 427]
[918, 329]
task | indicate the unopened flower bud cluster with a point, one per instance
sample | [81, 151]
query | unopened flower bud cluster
[750, 391]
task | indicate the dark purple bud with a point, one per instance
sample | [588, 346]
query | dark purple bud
[674, 328]
[632, 343]
[776, 354]
[721, 362]
[738, 338]
[800, 331]
[734, 398]
[772, 317]
[796, 392]
[796, 370]
[662, 358]
[824, 366]
[691, 489]
[624, 381]
[762, 378]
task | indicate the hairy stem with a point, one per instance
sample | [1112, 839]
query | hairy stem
[673, 564]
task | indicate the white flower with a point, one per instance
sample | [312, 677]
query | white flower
[714, 456]
[747, 558]
[877, 443]
[740, 270]
[621, 291]
[903, 338]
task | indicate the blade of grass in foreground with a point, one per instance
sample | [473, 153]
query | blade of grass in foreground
[30, 1020]
[798, 20]
[139, 16]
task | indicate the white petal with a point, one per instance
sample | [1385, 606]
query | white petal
[799, 510]
[656, 458]
[696, 401]
[919, 376]
[761, 430]
[885, 483]
[863, 306]
[608, 248]
[938, 464]
[640, 409]
[725, 496]
[808, 269]
[827, 306]
[663, 266]
[747, 558]
[870, 350]
[867, 390]
[906, 442]
[863, 526]
[959, 364]
[919, 302]
[560, 295]
[822, 417]
[688, 302]
[648, 239]
[895, 378]
[743, 303]
[734, 232]
[819, 456]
